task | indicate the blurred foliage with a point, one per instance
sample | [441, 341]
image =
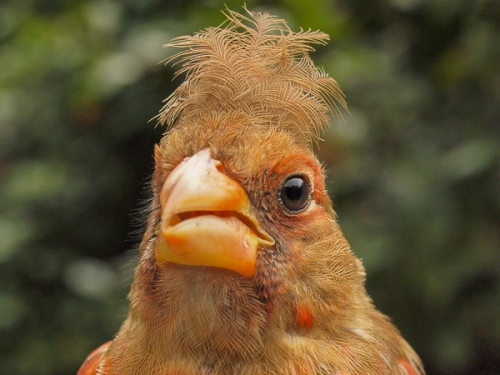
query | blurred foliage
[414, 168]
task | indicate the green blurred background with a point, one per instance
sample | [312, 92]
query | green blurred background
[414, 169]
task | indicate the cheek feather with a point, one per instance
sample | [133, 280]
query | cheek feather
[304, 317]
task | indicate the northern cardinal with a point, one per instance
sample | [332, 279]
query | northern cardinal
[243, 267]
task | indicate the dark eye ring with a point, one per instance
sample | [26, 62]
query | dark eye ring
[294, 194]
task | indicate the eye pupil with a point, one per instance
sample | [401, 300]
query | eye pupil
[295, 194]
[293, 189]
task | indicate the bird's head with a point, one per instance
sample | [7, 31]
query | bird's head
[242, 237]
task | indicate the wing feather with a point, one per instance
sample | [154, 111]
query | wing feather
[91, 364]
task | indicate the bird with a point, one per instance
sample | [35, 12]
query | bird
[243, 267]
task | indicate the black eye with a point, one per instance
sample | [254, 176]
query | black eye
[295, 194]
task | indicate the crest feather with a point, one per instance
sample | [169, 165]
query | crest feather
[256, 65]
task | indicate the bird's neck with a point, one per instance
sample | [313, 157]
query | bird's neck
[198, 312]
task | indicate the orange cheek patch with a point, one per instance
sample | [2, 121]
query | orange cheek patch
[303, 316]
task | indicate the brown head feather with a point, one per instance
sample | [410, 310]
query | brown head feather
[258, 66]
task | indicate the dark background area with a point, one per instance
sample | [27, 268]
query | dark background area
[414, 168]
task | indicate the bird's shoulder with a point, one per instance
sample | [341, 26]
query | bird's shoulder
[89, 367]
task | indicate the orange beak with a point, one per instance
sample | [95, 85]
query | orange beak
[206, 219]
